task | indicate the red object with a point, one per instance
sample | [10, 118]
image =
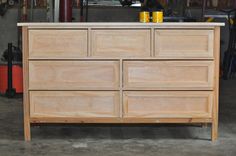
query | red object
[65, 10]
[17, 78]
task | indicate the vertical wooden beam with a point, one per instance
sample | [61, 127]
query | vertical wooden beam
[152, 42]
[89, 40]
[214, 131]
[121, 88]
[25, 84]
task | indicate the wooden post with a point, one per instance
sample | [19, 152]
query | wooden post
[25, 84]
[214, 133]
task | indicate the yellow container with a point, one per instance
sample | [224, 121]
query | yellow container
[144, 17]
[157, 16]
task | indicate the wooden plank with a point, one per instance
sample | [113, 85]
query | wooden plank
[26, 103]
[152, 42]
[121, 90]
[168, 75]
[125, 59]
[214, 133]
[89, 47]
[53, 44]
[120, 120]
[124, 25]
[74, 75]
[167, 120]
[121, 43]
[179, 43]
[74, 104]
[168, 104]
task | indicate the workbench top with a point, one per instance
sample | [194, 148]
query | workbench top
[123, 25]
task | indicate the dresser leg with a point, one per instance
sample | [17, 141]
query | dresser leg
[214, 131]
[215, 110]
[27, 133]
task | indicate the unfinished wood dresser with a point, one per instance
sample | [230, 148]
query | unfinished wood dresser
[121, 73]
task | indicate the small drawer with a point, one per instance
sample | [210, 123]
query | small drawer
[73, 75]
[57, 44]
[74, 104]
[121, 43]
[184, 43]
[167, 104]
[168, 75]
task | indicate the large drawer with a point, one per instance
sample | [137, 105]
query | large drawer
[73, 75]
[121, 43]
[184, 43]
[168, 104]
[57, 43]
[168, 75]
[74, 104]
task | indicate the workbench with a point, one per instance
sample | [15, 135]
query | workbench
[121, 73]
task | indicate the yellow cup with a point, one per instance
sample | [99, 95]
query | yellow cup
[144, 17]
[157, 16]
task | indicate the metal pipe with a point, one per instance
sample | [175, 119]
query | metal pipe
[56, 10]
[10, 92]
[24, 10]
[86, 17]
[50, 10]
[65, 10]
[81, 10]
[203, 8]
[9, 62]
[31, 10]
[19, 28]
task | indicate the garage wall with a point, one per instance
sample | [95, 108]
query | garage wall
[8, 29]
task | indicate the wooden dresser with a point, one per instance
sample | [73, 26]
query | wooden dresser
[121, 73]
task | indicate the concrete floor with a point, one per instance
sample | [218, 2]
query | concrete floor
[118, 140]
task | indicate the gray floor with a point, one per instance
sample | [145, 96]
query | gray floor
[112, 140]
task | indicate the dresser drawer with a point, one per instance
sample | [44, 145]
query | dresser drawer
[74, 104]
[168, 104]
[184, 43]
[57, 43]
[73, 75]
[168, 75]
[121, 43]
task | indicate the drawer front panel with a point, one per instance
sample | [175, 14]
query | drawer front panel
[184, 43]
[121, 43]
[74, 104]
[57, 43]
[168, 104]
[73, 75]
[175, 75]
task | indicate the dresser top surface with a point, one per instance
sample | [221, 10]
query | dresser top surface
[123, 25]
